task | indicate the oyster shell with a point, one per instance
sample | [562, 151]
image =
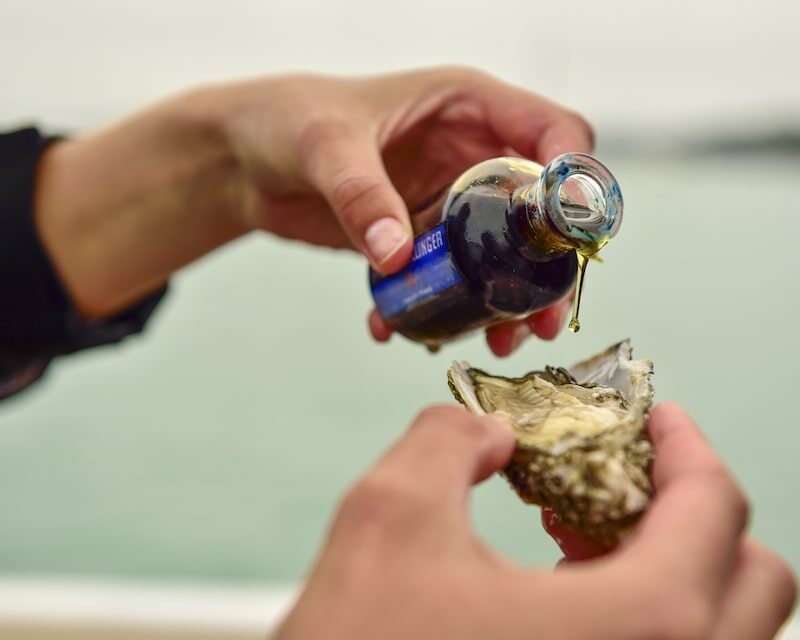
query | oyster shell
[581, 444]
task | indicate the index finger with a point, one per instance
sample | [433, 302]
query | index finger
[534, 126]
[694, 526]
[445, 452]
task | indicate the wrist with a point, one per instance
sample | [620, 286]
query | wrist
[121, 209]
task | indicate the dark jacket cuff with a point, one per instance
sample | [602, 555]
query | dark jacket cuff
[37, 318]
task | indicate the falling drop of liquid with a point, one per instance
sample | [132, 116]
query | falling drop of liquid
[574, 322]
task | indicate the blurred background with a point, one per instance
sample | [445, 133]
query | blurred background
[213, 450]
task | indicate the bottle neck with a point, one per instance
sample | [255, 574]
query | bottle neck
[575, 204]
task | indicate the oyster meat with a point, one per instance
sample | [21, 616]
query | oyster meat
[581, 444]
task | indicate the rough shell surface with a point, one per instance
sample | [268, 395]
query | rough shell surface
[581, 444]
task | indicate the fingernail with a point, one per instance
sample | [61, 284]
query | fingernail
[384, 238]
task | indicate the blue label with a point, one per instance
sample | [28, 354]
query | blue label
[430, 272]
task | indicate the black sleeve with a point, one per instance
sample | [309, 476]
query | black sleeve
[37, 319]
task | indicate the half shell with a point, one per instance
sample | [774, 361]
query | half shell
[581, 444]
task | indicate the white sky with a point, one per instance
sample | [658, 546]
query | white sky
[629, 64]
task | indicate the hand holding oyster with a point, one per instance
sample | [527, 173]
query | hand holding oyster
[581, 444]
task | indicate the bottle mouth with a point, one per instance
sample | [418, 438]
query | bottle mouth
[581, 199]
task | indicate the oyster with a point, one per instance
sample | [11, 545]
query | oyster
[581, 444]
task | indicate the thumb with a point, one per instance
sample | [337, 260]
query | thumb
[346, 167]
[446, 451]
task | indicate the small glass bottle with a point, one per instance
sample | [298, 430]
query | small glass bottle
[508, 238]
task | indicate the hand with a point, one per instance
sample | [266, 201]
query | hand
[330, 161]
[372, 147]
[402, 560]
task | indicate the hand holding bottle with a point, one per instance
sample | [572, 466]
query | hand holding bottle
[329, 161]
[507, 239]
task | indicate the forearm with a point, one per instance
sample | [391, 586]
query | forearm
[121, 209]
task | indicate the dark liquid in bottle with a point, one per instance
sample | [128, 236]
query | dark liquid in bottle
[488, 279]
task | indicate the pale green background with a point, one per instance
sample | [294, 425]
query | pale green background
[217, 445]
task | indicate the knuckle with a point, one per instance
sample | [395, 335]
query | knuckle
[781, 580]
[315, 132]
[376, 504]
[456, 74]
[437, 413]
[291, 91]
[472, 428]
[740, 506]
[582, 123]
[455, 424]
[351, 188]
[735, 501]
[691, 619]
[785, 583]
[677, 615]
[787, 588]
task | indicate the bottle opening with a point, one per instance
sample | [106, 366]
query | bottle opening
[582, 201]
